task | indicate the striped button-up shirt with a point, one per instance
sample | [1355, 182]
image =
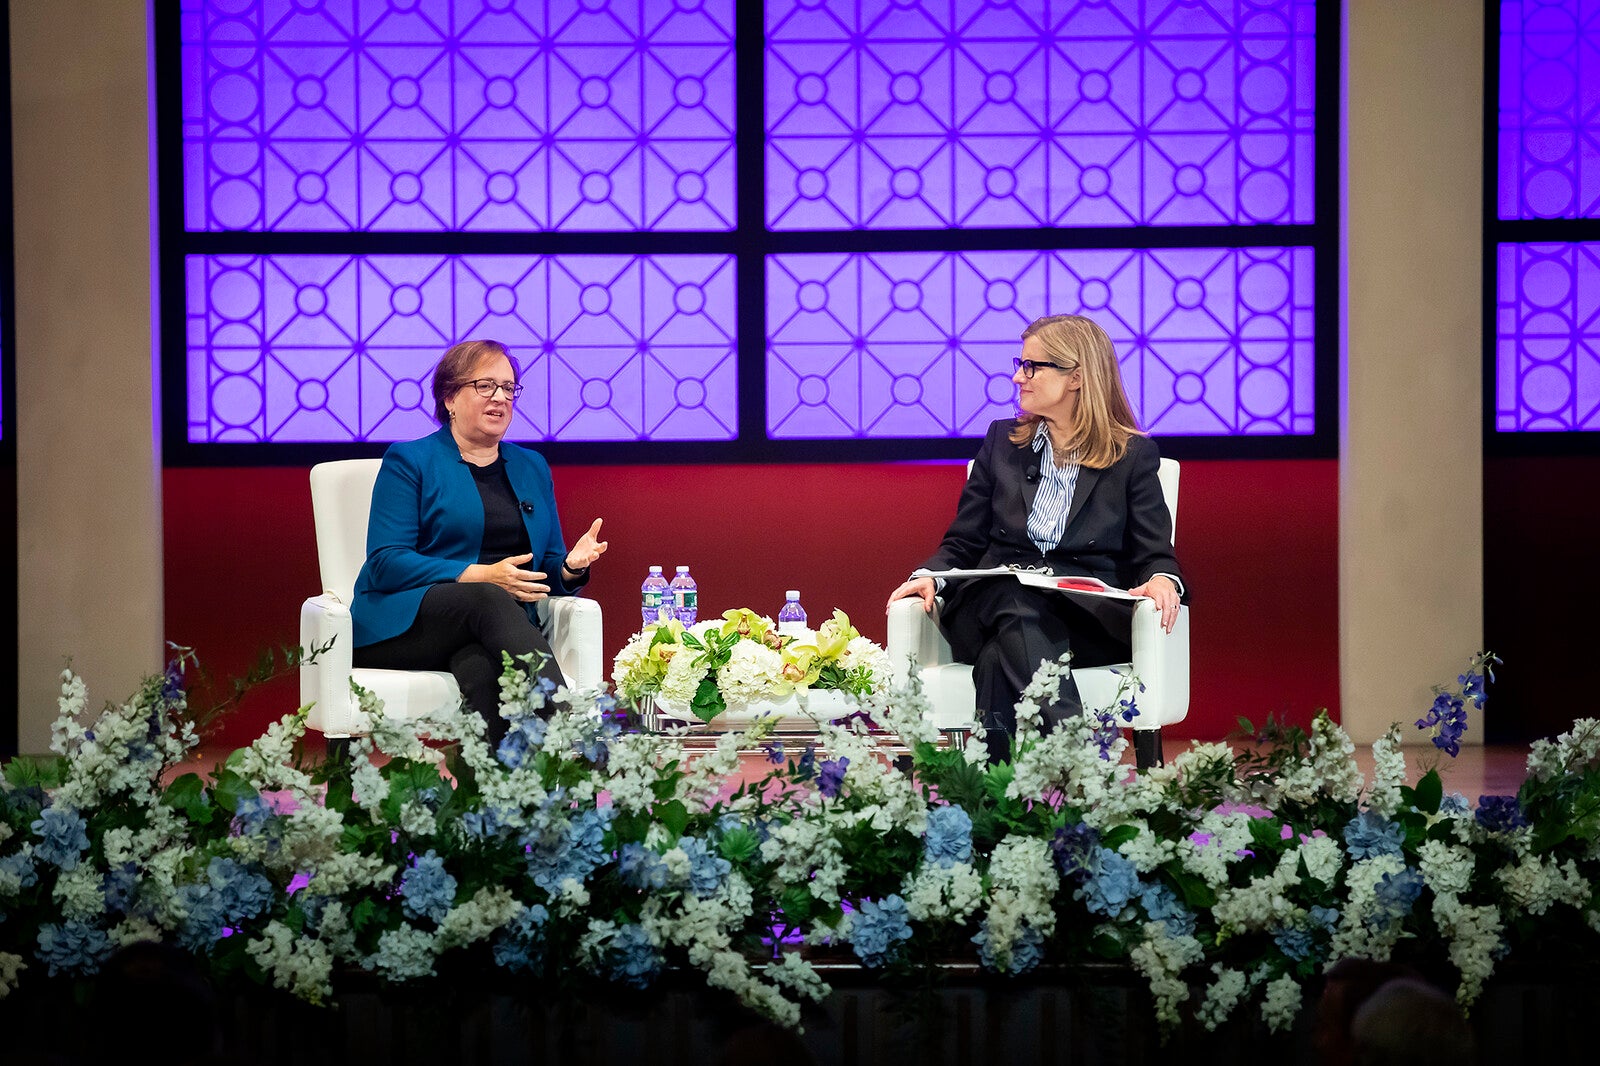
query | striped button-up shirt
[1047, 520]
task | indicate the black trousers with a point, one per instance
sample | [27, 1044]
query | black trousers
[1005, 629]
[463, 627]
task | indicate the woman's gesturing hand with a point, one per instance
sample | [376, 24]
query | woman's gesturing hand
[524, 585]
[589, 548]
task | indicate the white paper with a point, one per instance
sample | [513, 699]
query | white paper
[1044, 580]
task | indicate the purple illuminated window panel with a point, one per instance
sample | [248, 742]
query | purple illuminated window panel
[938, 113]
[1211, 341]
[1547, 366]
[1549, 165]
[458, 115]
[325, 348]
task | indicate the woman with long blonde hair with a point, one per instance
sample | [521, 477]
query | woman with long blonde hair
[1070, 484]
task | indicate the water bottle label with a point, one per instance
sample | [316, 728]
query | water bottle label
[686, 599]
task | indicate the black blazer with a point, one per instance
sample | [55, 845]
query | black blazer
[1118, 528]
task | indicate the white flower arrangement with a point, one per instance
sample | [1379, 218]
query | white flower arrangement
[741, 659]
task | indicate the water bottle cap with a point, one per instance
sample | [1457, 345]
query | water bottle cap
[683, 569]
[655, 569]
[792, 594]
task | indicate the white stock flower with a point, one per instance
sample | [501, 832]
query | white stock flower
[1162, 958]
[1475, 937]
[1223, 995]
[1280, 1004]
[11, 967]
[1445, 867]
[1388, 773]
[301, 966]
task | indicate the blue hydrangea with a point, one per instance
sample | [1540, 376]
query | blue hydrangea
[1395, 893]
[596, 748]
[573, 853]
[1454, 803]
[631, 958]
[64, 837]
[519, 945]
[640, 867]
[878, 929]
[830, 775]
[523, 740]
[948, 838]
[1162, 905]
[1294, 941]
[1325, 918]
[487, 824]
[707, 869]
[230, 895]
[251, 814]
[1112, 883]
[427, 889]
[1074, 847]
[117, 884]
[1369, 835]
[1500, 814]
[73, 947]
[1027, 950]
[21, 867]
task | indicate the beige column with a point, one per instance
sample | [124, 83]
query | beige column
[88, 458]
[1411, 457]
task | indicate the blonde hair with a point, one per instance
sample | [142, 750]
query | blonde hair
[1104, 419]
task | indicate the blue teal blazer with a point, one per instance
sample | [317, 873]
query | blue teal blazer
[426, 526]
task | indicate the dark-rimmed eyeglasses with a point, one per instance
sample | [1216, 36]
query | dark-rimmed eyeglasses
[1028, 366]
[487, 387]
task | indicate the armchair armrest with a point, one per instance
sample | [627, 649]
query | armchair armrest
[577, 639]
[325, 683]
[914, 637]
[1161, 662]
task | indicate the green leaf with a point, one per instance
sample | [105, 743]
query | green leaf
[46, 771]
[708, 702]
[797, 903]
[1193, 890]
[1429, 793]
[1119, 836]
[675, 816]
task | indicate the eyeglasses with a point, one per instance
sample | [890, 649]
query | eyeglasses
[487, 387]
[1028, 366]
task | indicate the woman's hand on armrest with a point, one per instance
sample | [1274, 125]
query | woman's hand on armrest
[918, 586]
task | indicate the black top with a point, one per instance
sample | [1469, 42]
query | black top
[504, 533]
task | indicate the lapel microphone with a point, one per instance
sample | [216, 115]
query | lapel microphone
[1031, 474]
[527, 508]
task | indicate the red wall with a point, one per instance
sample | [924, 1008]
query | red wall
[241, 555]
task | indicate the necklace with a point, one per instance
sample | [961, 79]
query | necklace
[480, 460]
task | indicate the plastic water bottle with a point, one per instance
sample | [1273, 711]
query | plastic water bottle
[792, 617]
[656, 605]
[685, 597]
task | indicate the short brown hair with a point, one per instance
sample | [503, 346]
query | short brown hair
[455, 365]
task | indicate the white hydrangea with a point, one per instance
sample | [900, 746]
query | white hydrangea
[1162, 958]
[11, 967]
[1323, 856]
[942, 893]
[1281, 1001]
[863, 652]
[796, 973]
[1221, 997]
[1475, 936]
[1534, 884]
[683, 677]
[403, 954]
[1574, 751]
[480, 917]
[1364, 931]
[1446, 868]
[302, 966]
[753, 672]
[79, 893]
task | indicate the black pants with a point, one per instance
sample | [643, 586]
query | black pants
[1005, 629]
[463, 627]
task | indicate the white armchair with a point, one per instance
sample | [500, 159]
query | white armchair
[1160, 660]
[341, 498]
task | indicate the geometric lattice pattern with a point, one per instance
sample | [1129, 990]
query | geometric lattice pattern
[917, 114]
[296, 348]
[1547, 365]
[458, 115]
[1212, 341]
[1549, 150]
